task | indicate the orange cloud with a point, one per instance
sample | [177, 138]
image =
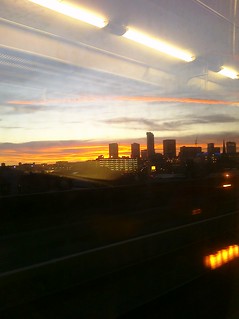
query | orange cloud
[84, 99]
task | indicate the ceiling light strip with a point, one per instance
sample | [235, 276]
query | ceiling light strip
[158, 45]
[73, 12]
[232, 74]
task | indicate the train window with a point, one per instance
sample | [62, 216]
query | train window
[119, 162]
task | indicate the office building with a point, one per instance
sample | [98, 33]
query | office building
[169, 149]
[144, 154]
[135, 150]
[150, 145]
[231, 147]
[211, 149]
[189, 153]
[217, 150]
[113, 150]
[119, 164]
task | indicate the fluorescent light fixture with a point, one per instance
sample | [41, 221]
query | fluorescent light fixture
[158, 45]
[72, 11]
[229, 73]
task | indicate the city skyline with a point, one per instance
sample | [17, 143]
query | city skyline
[82, 128]
[72, 151]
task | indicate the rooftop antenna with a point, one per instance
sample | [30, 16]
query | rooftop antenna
[196, 141]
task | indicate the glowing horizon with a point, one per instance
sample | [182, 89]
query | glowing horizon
[106, 119]
[71, 153]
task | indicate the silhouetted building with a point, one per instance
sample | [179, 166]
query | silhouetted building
[135, 150]
[113, 150]
[189, 153]
[144, 154]
[169, 148]
[211, 149]
[119, 164]
[150, 145]
[231, 147]
[224, 148]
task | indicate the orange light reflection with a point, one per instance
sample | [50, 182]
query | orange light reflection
[221, 257]
[196, 211]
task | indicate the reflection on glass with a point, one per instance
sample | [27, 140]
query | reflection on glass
[226, 185]
[221, 257]
[196, 211]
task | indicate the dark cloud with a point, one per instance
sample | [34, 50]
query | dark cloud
[40, 145]
[151, 125]
[121, 120]
[171, 125]
[205, 138]
[11, 127]
[194, 119]
[216, 118]
[145, 124]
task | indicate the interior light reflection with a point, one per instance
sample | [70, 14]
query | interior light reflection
[196, 211]
[221, 257]
[226, 185]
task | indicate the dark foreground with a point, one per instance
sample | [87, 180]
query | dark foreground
[120, 252]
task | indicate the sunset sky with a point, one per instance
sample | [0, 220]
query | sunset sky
[74, 89]
[80, 128]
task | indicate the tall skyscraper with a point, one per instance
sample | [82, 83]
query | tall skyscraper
[169, 148]
[150, 144]
[135, 150]
[224, 147]
[231, 147]
[113, 150]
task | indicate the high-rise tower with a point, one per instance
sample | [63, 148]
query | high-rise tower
[150, 144]
[231, 147]
[223, 147]
[135, 150]
[113, 150]
[169, 148]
